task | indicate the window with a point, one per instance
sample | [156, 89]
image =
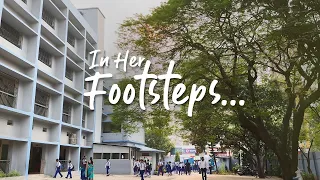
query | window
[25, 1]
[124, 155]
[41, 105]
[8, 90]
[69, 73]
[84, 118]
[97, 155]
[66, 116]
[110, 127]
[44, 130]
[115, 156]
[10, 34]
[45, 57]
[48, 18]
[106, 156]
[71, 40]
[9, 123]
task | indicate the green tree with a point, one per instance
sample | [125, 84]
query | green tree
[245, 45]
[177, 157]
[158, 140]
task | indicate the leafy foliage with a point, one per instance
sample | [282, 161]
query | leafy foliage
[265, 52]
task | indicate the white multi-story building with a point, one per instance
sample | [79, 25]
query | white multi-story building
[44, 59]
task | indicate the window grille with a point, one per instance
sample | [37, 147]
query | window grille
[8, 90]
[66, 115]
[41, 105]
[71, 39]
[69, 74]
[45, 57]
[10, 34]
[48, 18]
[25, 1]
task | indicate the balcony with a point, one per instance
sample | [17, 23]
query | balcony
[69, 136]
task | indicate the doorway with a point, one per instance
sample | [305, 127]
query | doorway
[35, 159]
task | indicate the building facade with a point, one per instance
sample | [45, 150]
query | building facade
[44, 59]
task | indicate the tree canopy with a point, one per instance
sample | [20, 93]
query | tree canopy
[247, 46]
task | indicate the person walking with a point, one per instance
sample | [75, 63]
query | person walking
[83, 169]
[70, 169]
[108, 167]
[90, 169]
[58, 169]
[160, 164]
[149, 168]
[142, 167]
[136, 168]
[188, 169]
[203, 165]
[168, 168]
[181, 168]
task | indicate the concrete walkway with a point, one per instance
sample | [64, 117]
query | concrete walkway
[130, 177]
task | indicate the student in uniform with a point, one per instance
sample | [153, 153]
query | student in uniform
[70, 169]
[108, 167]
[181, 168]
[188, 168]
[149, 168]
[58, 169]
[203, 165]
[177, 167]
[168, 168]
[137, 170]
[142, 167]
[160, 164]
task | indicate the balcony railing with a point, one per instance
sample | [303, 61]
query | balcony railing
[8, 90]
[48, 18]
[45, 57]
[5, 166]
[40, 110]
[64, 165]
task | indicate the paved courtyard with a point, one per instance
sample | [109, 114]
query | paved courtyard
[128, 177]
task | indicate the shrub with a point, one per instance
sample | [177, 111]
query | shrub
[2, 174]
[222, 169]
[13, 174]
[307, 176]
[236, 168]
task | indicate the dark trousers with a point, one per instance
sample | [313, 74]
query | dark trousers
[69, 173]
[57, 171]
[204, 173]
[142, 174]
[160, 170]
[108, 170]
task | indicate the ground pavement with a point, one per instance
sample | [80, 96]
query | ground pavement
[194, 176]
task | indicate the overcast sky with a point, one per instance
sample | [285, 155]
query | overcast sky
[115, 12]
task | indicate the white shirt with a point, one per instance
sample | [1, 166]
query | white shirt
[160, 164]
[181, 165]
[107, 164]
[203, 164]
[70, 166]
[143, 166]
[58, 164]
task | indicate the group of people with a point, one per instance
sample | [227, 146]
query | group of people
[142, 168]
[86, 169]
[179, 168]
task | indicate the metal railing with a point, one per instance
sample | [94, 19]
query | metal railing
[64, 165]
[48, 18]
[5, 166]
[10, 34]
[45, 57]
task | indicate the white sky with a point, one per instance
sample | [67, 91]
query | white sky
[115, 12]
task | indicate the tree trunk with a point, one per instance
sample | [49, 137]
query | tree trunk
[288, 171]
[260, 166]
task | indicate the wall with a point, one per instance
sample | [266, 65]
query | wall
[314, 163]
[119, 166]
